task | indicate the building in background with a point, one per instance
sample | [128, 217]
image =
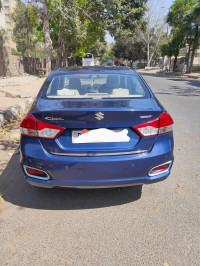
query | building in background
[5, 19]
[2, 19]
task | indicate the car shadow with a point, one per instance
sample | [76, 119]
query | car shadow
[17, 191]
[191, 87]
[178, 91]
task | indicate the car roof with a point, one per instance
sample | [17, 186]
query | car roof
[93, 70]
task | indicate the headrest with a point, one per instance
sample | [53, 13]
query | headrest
[120, 92]
[112, 81]
[74, 84]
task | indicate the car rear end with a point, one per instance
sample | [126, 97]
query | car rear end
[87, 130]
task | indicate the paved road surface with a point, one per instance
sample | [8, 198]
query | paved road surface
[160, 224]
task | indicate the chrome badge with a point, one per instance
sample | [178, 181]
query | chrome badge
[54, 118]
[145, 116]
[99, 116]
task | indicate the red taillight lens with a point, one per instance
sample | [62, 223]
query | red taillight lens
[36, 173]
[160, 169]
[166, 123]
[30, 126]
[161, 125]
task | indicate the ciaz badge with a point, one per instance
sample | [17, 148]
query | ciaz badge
[54, 118]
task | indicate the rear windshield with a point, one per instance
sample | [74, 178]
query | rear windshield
[96, 86]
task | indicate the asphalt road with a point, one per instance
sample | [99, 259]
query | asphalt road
[159, 225]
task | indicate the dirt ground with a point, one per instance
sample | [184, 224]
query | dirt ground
[9, 140]
[15, 90]
[23, 87]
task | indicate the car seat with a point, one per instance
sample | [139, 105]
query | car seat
[111, 83]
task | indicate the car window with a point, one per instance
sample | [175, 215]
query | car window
[96, 86]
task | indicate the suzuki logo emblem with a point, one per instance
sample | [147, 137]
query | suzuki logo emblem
[99, 116]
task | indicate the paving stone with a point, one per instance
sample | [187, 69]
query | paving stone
[11, 95]
[2, 119]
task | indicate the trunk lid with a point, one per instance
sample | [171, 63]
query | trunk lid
[111, 114]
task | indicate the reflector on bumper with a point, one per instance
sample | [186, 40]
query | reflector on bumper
[160, 169]
[36, 173]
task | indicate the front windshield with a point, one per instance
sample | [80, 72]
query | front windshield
[96, 86]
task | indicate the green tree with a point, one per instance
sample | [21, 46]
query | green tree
[23, 31]
[75, 31]
[80, 24]
[108, 55]
[166, 49]
[73, 27]
[172, 46]
[3, 36]
[176, 43]
[191, 28]
[125, 15]
[98, 49]
[47, 11]
[129, 47]
[183, 17]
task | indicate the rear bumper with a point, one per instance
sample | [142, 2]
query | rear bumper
[96, 172]
[97, 184]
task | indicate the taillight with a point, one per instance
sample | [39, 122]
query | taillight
[166, 123]
[161, 125]
[30, 126]
[160, 169]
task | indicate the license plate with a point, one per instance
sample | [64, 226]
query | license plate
[77, 133]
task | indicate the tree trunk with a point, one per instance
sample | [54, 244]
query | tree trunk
[188, 57]
[59, 50]
[192, 59]
[65, 57]
[195, 46]
[48, 41]
[148, 55]
[150, 59]
[175, 62]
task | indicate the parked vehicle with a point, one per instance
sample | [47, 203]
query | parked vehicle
[88, 60]
[109, 62]
[96, 127]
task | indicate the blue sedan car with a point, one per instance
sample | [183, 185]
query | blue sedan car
[96, 127]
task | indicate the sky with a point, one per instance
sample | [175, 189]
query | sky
[157, 7]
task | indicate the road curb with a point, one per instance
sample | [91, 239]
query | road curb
[12, 112]
[171, 76]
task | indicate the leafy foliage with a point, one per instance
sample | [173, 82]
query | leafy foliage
[167, 49]
[74, 27]
[3, 36]
[184, 18]
[173, 45]
[108, 55]
[129, 47]
[24, 32]
[98, 49]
